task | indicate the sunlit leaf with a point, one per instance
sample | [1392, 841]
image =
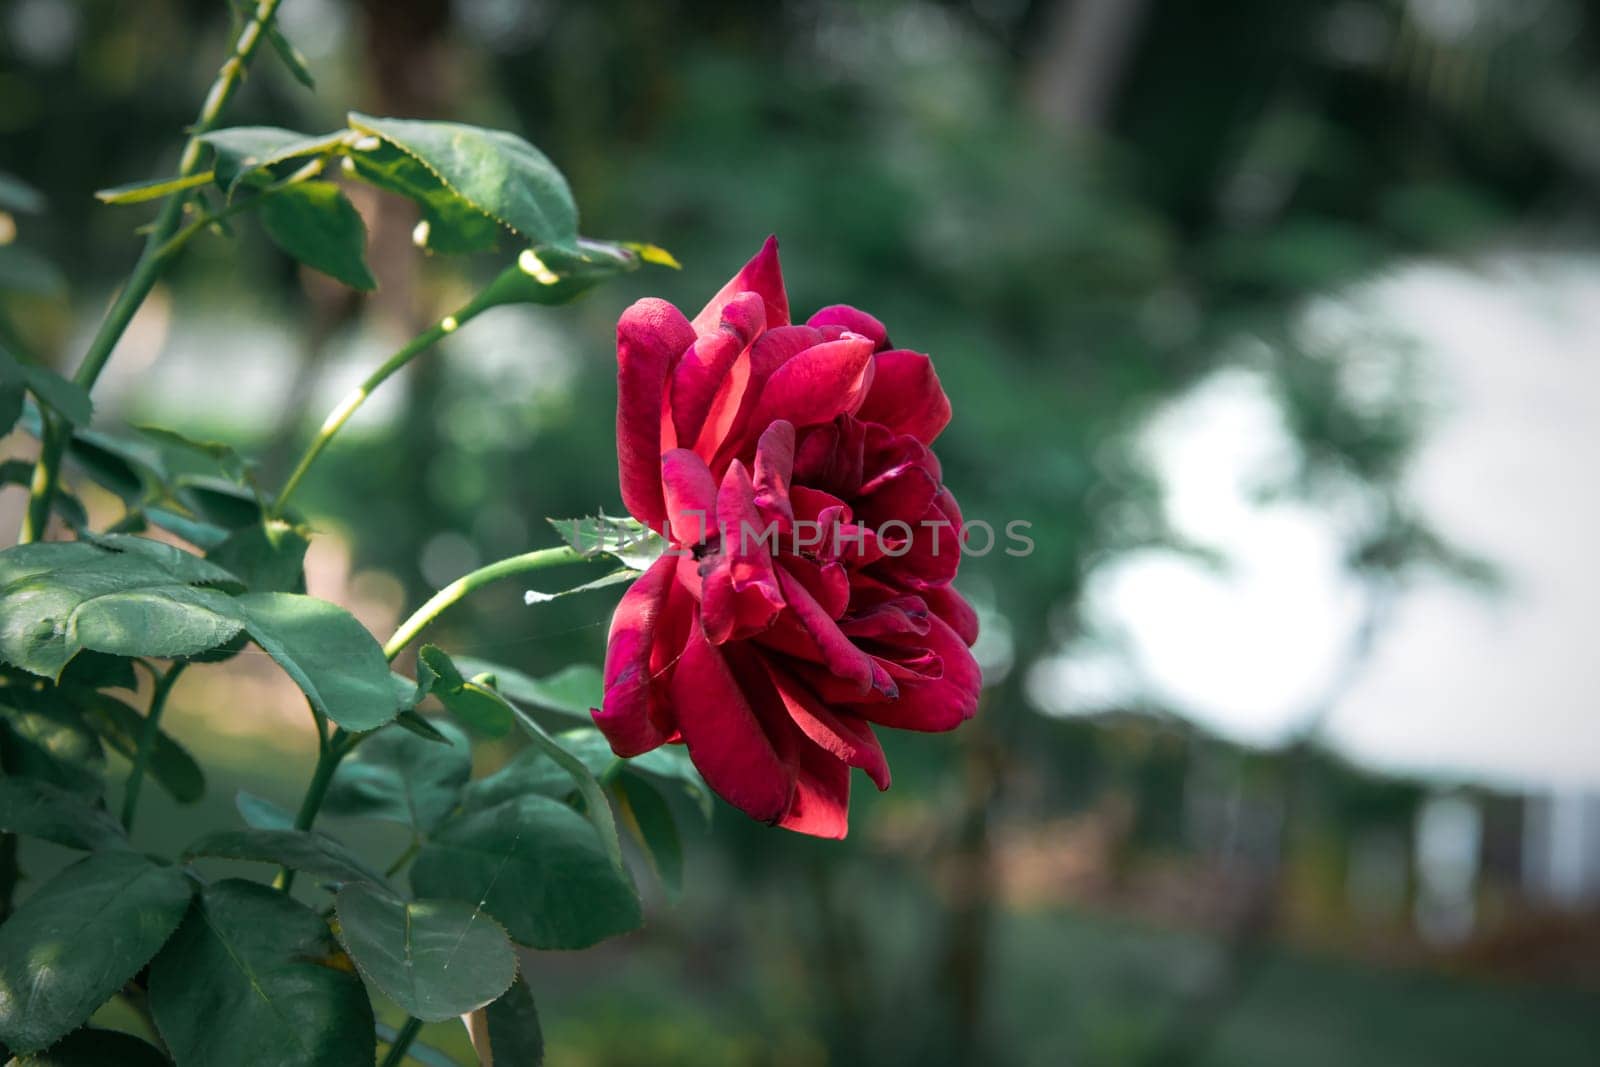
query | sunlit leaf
[334, 660]
[151, 189]
[628, 540]
[476, 187]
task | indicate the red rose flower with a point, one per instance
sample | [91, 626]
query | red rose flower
[807, 594]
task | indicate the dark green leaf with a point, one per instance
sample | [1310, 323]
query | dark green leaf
[316, 224]
[79, 938]
[261, 813]
[10, 406]
[646, 815]
[253, 977]
[291, 56]
[632, 543]
[507, 1031]
[594, 798]
[316, 854]
[64, 397]
[573, 690]
[96, 670]
[269, 557]
[436, 959]
[94, 1048]
[224, 455]
[40, 810]
[537, 866]
[151, 189]
[219, 501]
[468, 701]
[122, 727]
[52, 743]
[336, 662]
[202, 535]
[529, 771]
[401, 777]
[464, 177]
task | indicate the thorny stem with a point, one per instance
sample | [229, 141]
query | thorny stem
[158, 252]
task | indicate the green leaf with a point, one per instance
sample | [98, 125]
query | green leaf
[594, 798]
[123, 595]
[572, 691]
[53, 744]
[529, 771]
[269, 556]
[645, 813]
[79, 938]
[203, 535]
[472, 184]
[253, 977]
[468, 701]
[25, 271]
[218, 500]
[552, 276]
[261, 813]
[261, 153]
[122, 727]
[18, 196]
[436, 959]
[401, 777]
[40, 810]
[94, 1048]
[316, 224]
[291, 56]
[629, 541]
[150, 189]
[316, 854]
[224, 455]
[96, 670]
[507, 1031]
[334, 660]
[65, 398]
[11, 397]
[537, 866]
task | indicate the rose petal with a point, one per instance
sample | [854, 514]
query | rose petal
[626, 719]
[651, 336]
[725, 738]
[774, 470]
[854, 320]
[953, 608]
[762, 275]
[845, 737]
[906, 396]
[821, 802]
[933, 705]
[691, 496]
[704, 368]
[739, 596]
[818, 384]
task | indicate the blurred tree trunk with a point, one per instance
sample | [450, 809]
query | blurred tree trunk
[1074, 78]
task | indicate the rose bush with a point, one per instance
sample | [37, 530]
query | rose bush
[807, 594]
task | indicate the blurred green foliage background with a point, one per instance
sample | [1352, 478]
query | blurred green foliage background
[1081, 208]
